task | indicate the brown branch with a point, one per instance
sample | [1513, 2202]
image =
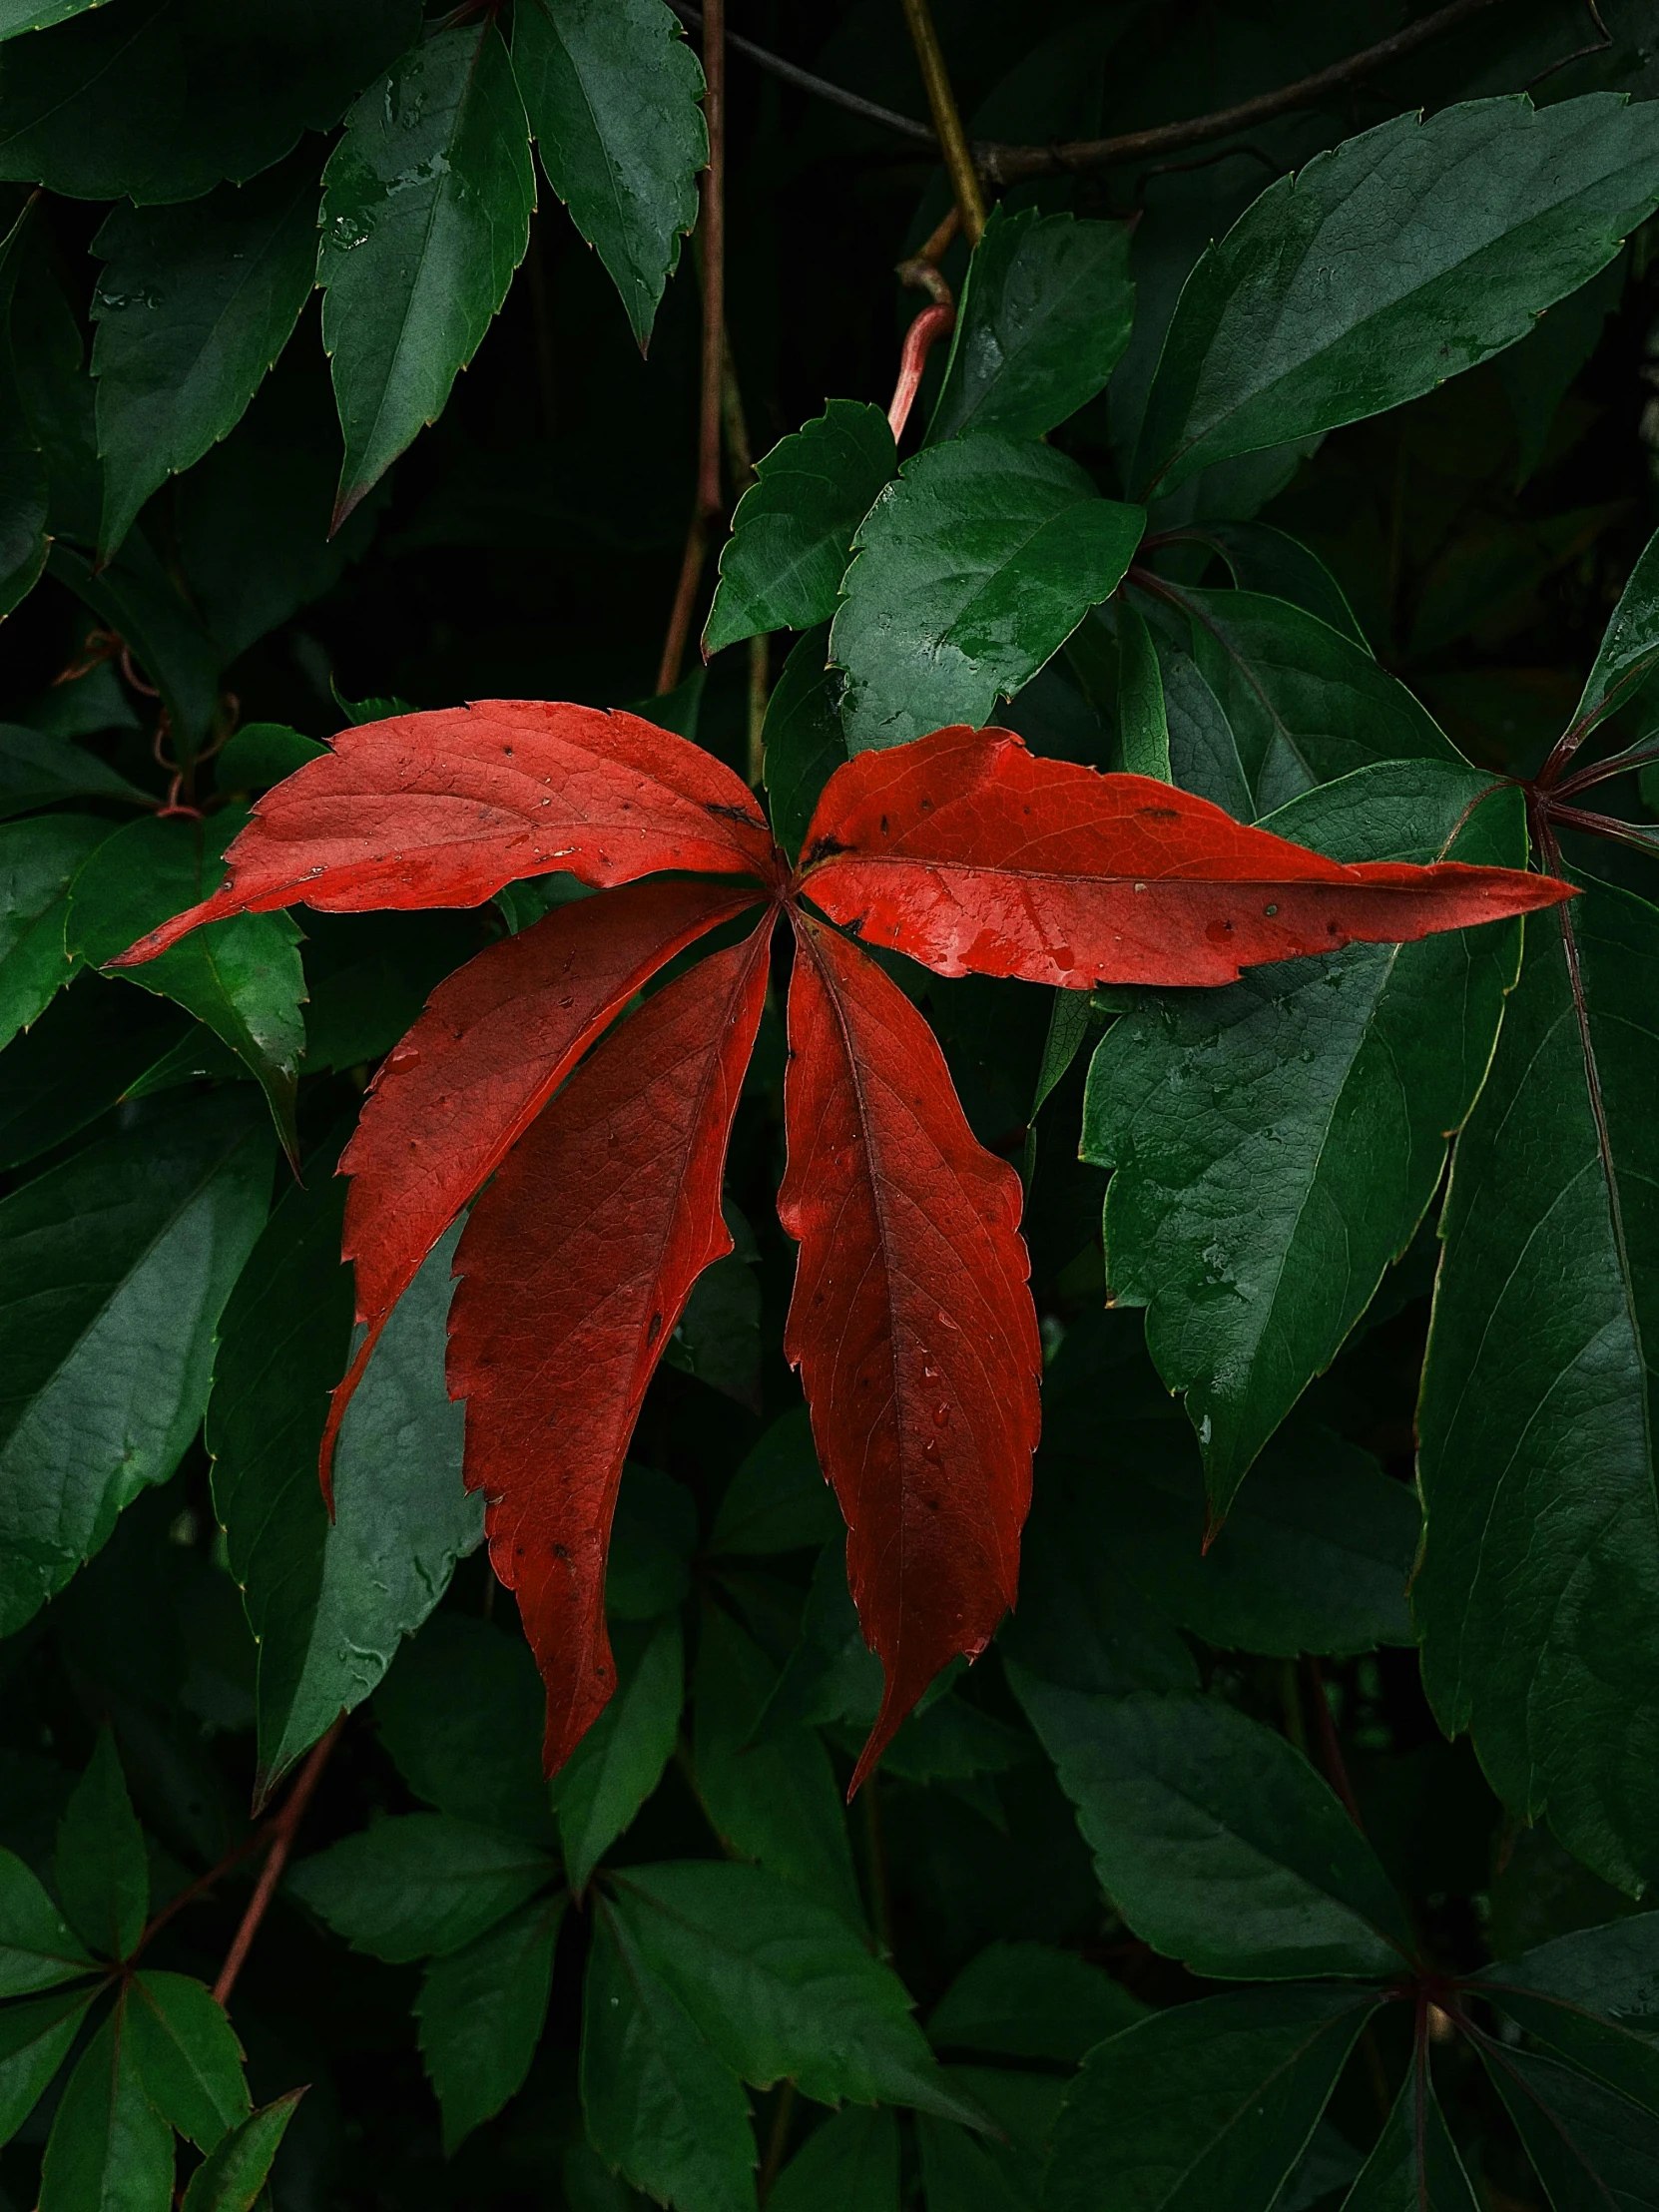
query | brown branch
[283, 1830]
[947, 121]
[712, 400]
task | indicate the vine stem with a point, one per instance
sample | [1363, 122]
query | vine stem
[712, 394]
[283, 1830]
[1331, 1749]
[947, 121]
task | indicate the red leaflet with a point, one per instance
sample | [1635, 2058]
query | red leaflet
[976, 858]
[497, 1038]
[911, 1322]
[442, 809]
[574, 1271]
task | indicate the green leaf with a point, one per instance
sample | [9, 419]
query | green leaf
[971, 570]
[110, 2149]
[157, 99]
[1029, 2000]
[230, 2178]
[778, 1500]
[803, 739]
[1593, 1998]
[481, 2011]
[25, 480]
[620, 1760]
[1537, 375]
[1370, 276]
[1304, 703]
[261, 754]
[242, 977]
[1276, 1143]
[17, 16]
[718, 1335]
[832, 1674]
[193, 305]
[1143, 725]
[775, 1801]
[780, 1984]
[37, 770]
[95, 1046]
[49, 379]
[1629, 650]
[660, 2106]
[653, 1536]
[1589, 2146]
[187, 2055]
[977, 2172]
[1536, 1407]
[34, 2042]
[1414, 2166]
[1203, 752]
[420, 1884]
[38, 860]
[425, 215]
[1205, 2105]
[851, 2160]
[142, 601]
[101, 1871]
[1044, 315]
[38, 1950]
[330, 1601]
[793, 530]
[613, 91]
[1215, 1840]
[115, 1269]
[461, 1714]
[1273, 565]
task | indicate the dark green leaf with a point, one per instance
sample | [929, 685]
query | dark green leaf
[34, 2042]
[38, 15]
[115, 1267]
[1029, 2000]
[1630, 648]
[37, 1948]
[653, 1536]
[25, 481]
[50, 382]
[1203, 752]
[187, 2059]
[1593, 2150]
[261, 754]
[103, 1874]
[461, 1714]
[157, 99]
[620, 1760]
[95, 1045]
[971, 570]
[230, 2179]
[1143, 726]
[1215, 1840]
[851, 2160]
[1272, 565]
[977, 2172]
[1538, 373]
[110, 2149]
[778, 1500]
[1414, 2166]
[718, 1335]
[38, 860]
[37, 770]
[1204, 2105]
[659, 2104]
[802, 738]
[1276, 1143]
[782, 564]
[193, 305]
[418, 1883]
[613, 93]
[481, 2011]
[425, 216]
[832, 1674]
[1593, 1998]
[1044, 315]
[141, 601]
[1535, 1405]
[1363, 280]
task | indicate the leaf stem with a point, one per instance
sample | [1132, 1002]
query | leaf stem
[1330, 1748]
[283, 1830]
[932, 322]
[947, 121]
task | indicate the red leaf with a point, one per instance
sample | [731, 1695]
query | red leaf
[911, 1322]
[575, 1268]
[495, 1041]
[974, 857]
[444, 809]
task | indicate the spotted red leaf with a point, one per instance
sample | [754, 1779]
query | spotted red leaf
[973, 857]
[444, 809]
[575, 1267]
[911, 1322]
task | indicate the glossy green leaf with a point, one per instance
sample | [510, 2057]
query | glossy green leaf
[1589, 2146]
[425, 216]
[1044, 315]
[37, 770]
[613, 91]
[110, 2149]
[38, 1949]
[330, 1601]
[1276, 1143]
[114, 1270]
[34, 2042]
[778, 1500]
[1593, 1998]
[803, 739]
[159, 100]
[482, 2010]
[852, 2159]
[620, 1760]
[38, 860]
[101, 1873]
[242, 977]
[461, 1714]
[193, 305]
[17, 16]
[660, 2105]
[1143, 721]
[418, 1883]
[971, 570]
[1536, 1398]
[779, 1985]
[1390, 263]
[1414, 2166]
[1215, 1840]
[1203, 752]
[782, 567]
[187, 2055]
[230, 2178]
[775, 1801]
[1030, 2000]
[1205, 2105]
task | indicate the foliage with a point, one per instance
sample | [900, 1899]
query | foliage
[1169, 741]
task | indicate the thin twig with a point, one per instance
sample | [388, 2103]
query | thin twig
[947, 121]
[282, 1843]
[255, 1840]
[920, 271]
[819, 87]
